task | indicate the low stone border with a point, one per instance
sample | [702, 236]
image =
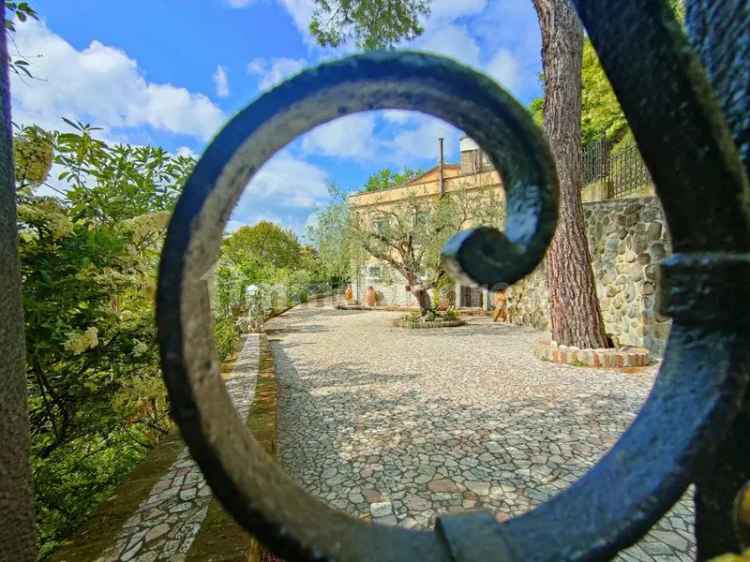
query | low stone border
[221, 537]
[394, 308]
[418, 325]
[99, 532]
[608, 358]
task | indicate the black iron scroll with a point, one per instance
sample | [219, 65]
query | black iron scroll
[705, 193]
[249, 485]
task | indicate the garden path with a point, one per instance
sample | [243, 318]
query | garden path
[166, 523]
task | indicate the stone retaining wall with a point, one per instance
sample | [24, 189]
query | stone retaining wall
[627, 239]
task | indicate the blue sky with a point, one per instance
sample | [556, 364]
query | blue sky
[170, 72]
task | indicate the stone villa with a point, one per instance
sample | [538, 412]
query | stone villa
[627, 236]
[474, 174]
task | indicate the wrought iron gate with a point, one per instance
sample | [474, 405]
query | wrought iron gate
[692, 129]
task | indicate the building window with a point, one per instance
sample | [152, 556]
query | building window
[380, 225]
[375, 272]
[421, 218]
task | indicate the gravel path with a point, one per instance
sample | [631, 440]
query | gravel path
[398, 425]
[167, 522]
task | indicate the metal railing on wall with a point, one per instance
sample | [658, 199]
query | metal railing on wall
[622, 169]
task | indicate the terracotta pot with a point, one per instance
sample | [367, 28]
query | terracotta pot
[370, 297]
[349, 294]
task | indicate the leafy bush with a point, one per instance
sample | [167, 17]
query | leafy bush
[97, 403]
[227, 336]
[450, 314]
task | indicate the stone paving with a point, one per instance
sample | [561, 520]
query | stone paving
[398, 425]
[167, 522]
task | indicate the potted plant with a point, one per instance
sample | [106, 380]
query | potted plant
[371, 297]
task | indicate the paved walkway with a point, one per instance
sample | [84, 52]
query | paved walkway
[166, 523]
[398, 425]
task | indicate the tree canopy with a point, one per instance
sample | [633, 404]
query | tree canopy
[371, 24]
[88, 257]
[327, 232]
[601, 114]
[387, 178]
[262, 248]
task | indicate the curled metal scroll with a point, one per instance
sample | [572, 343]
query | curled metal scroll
[241, 475]
[706, 198]
[705, 370]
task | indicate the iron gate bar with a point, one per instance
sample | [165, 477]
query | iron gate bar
[702, 185]
[718, 29]
[694, 163]
[242, 476]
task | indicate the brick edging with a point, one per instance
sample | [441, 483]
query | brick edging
[603, 358]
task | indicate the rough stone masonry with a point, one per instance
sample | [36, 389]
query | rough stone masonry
[627, 238]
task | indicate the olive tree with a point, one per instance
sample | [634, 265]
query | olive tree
[409, 235]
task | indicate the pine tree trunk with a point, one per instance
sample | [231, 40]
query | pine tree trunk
[576, 318]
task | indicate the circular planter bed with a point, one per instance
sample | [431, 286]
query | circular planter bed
[416, 324]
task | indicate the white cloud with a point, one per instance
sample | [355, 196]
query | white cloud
[239, 3]
[453, 41]
[221, 81]
[347, 137]
[273, 71]
[286, 181]
[186, 151]
[449, 10]
[398, 116]
[286, 190]
[505, 68]
[421, 142]
[301, 12]
[102, 85]
[401, 138]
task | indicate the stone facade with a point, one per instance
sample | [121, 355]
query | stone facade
[389, 285]
[627, 239]
[390, 288]
[474, 176]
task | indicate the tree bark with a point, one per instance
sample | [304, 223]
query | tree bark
[576, 318]
[422, 295]
[17, 535]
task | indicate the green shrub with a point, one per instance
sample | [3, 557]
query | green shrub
[227, 336]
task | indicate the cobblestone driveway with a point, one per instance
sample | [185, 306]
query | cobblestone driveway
[399, 425]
